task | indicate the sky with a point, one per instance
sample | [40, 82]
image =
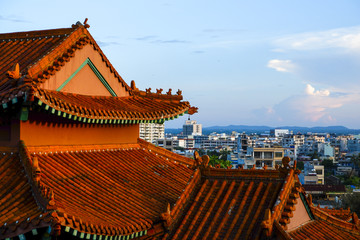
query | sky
[274, 63]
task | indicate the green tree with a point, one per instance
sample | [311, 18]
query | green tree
[328, 164]
[216, 162]
[179, 148]
[351, 200]
[314, 156]
[355, 159]
[300, 165]
[352, 180]
[223, 154]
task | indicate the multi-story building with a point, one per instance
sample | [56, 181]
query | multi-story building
[313, 173]
[353, 145]
[167, 143]
[277, 132]
[151, 131]
[293, 140]
[266, 156]
[212, 144]
[326, 151]
[192, 128]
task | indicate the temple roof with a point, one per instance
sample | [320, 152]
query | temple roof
[139, 190]
[16, 201]
[228, 204]
[37, 55]
[41, 53]
[114, 190]
[320, 229]
[327, 225]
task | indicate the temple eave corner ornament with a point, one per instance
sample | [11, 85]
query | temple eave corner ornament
[267, 223]
[15, 73]
[202, 161]
[192, 110]
[166, 217]
[285, 168]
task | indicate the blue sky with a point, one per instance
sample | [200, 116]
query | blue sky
[263, 62]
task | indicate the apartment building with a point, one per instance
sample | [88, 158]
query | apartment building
[150, 132]
[266, 156]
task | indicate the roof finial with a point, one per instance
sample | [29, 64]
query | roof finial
[133, 86]
[85, 23]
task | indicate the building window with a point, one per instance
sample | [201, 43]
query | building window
[257, 154]
[278, 154]
[268, 155]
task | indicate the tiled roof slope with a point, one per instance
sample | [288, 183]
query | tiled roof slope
[26, 48]
[343, 214]
[18, 208]
[41, 53]
[320, 229]
[249, 204]
[326, 224]
[113, 190]
[228, 204]
[136, 108]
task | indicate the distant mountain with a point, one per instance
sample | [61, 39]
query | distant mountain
[262, 129]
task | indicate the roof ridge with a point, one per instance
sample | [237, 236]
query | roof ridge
[179, 158]
[322, 215]
[48, 63]
[39, 66]
[36, 33]
[9, 149]
[147, 93]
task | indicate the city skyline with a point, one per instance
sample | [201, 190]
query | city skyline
[260, 63]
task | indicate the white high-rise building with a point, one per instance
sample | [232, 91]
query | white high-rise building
[152, 131]
[191, 128]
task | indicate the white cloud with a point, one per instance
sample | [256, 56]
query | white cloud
[281, 65]
[314, 107]
[310, 90]
[344, 38]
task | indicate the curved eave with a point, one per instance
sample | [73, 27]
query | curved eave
[109, 110]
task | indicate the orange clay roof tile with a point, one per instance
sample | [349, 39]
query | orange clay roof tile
[42, 53]
[343, 214]
[17, 205]
[320, 229]
[122, 199]
[227, 204]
